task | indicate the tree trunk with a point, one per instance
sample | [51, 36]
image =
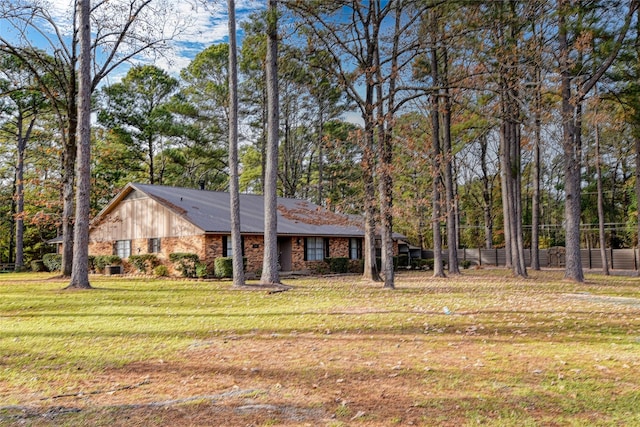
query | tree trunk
[452, 235]
[270, 273]
[234, 190]
[486, 195]
[68, 180]
[19, 195]
[436, 173]
[572, 160]
[535, 203]
[80, 271]
[601, 236]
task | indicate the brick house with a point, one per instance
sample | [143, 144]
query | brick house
[163, 220]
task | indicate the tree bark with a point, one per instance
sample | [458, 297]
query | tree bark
[452, 235]
[80, 271]
[601, 235]
[234, 190]
[270, 273]
[436, 173]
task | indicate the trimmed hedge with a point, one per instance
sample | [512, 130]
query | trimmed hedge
[338, 264]
[101, 261]
[185, 263]
[145, 263]
[53, 262]
[37, 265]
[161, 270]
[223, 266]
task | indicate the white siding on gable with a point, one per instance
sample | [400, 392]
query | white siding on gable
[138, 216]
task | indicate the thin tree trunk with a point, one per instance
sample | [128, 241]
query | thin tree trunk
[234, 190]
[601, 236]
[385, 152]
[535, 203]
[80, 271]
[270, 273]
[436, 173]
[19, 196]
[486, 195]
[452, 235]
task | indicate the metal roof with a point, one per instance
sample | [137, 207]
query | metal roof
[209, 210]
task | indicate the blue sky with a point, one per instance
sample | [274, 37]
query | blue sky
[202, 23]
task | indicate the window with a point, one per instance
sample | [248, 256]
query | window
[153, 246]
[123, 248]
[316, 248]
[227, 246]
[355, 248]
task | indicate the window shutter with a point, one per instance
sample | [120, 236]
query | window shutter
[305, 249]
[242, 242]
[326, 247]
[224, 246]
[149, 246]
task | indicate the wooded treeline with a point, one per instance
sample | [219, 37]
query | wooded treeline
[434, 119]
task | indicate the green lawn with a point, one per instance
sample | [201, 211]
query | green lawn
[482, 348]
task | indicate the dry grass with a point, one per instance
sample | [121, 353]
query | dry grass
[333, 351]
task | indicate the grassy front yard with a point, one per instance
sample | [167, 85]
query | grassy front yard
[482, 348]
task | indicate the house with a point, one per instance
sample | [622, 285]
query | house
[163, 220]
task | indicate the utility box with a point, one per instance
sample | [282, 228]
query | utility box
[110, 270]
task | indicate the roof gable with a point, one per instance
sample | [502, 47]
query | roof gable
[209, 211]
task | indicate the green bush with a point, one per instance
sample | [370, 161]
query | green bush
[419, 264]
[144, 263]
[465, 263]
[338, 264]
[101, 261]
[430, 262]
[38, 265]
[161, 270]
[223, 267]
[201, 270]
[53, 262]
[185, 263]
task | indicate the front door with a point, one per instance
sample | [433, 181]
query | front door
[284, 253]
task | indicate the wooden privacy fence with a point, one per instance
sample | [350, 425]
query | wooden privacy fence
[618, 259]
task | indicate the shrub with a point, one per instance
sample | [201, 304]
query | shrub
[38, 265]
[185, 263]
[145, 262]
[338, 264]
[101, 261]
[419, 264]
[223, 267]
[201, 270]
[53, 262]
[430, 262]
[465, 263]
[161, 270]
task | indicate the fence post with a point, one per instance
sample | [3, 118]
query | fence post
[480, 256]
[635, 259]
[611, 252]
